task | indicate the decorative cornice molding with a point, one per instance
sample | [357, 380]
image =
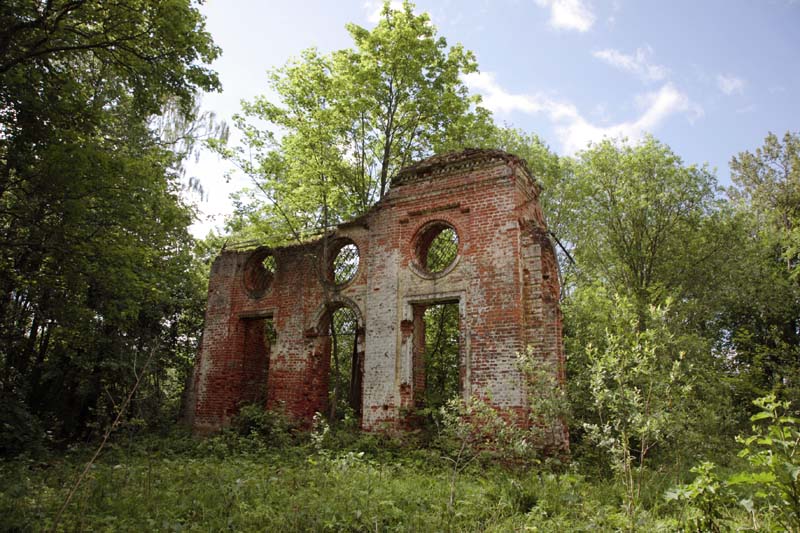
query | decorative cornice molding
[457, 163]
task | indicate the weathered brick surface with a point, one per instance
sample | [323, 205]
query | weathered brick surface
[505, 280]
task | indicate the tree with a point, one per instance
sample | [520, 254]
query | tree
[348, 121]
[644, 228]
[768, 181]
[93, 240]
[635, 210]
[154, 48]
[635, 379]
[764, 317]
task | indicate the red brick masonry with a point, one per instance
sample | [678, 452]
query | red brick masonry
[505, 280]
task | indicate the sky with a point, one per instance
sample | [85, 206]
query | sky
[710, 78]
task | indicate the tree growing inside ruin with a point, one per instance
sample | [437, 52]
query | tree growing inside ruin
[344, 123]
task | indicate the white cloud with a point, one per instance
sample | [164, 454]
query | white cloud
[573, 130]
[730, 84]
[637, 64]
[374, 8]
[569, 14]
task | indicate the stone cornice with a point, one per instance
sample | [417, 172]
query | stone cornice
[461, 162]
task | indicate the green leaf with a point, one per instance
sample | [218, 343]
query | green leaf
[751, 478]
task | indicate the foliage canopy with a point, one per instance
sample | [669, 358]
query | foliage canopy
[346, 122]
[93, 243]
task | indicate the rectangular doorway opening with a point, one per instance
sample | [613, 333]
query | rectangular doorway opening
[438, 361]
[259, 336]
[345, 374]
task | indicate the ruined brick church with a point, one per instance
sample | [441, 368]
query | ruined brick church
[267, 327]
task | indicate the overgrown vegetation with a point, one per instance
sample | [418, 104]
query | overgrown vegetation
[265, 474]
[681, 300]
[97, 112]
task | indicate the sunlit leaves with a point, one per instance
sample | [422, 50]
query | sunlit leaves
[344, 123]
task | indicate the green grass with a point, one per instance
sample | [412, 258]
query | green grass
[233, 483]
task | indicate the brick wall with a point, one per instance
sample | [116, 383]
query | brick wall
[504, 279]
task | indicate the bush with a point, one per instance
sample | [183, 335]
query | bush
[20, 430]
[773, 450]
[769, 492]
[273, 427]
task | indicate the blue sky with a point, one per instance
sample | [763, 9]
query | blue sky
[708, 78]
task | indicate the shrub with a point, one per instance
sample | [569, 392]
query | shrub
[773, 450]
[271, 428]
[20, 431]
[706, 499]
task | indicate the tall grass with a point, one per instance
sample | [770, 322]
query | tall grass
[348, 483]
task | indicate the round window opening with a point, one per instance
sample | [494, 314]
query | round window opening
[259, 273]
[437, 248]
[344, 266]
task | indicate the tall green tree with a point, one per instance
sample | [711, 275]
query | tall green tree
[93, 240]
[346, 122]
[767, 181]
[763, 316]
[636, 211]
[644, 228]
